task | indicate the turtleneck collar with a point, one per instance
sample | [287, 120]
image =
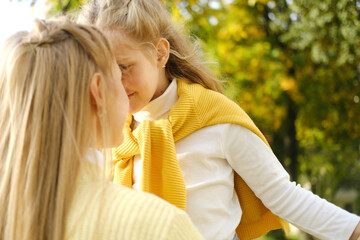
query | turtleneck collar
[159, 108]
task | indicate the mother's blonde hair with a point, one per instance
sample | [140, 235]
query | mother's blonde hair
[45, 132]
[146, 21]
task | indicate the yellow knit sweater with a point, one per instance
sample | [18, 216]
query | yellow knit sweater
[101, 210]
[196, 108]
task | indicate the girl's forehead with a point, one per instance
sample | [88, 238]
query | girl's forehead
[126, 48]
[118, 37]
[122, 45]
[123, 57]
[124, 53]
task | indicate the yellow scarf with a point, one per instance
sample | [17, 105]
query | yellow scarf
[196, 108]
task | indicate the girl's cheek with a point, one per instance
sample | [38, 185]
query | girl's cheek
[128, 76]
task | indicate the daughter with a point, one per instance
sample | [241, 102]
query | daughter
[190, 145]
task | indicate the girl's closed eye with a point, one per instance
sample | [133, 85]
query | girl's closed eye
[124, 67]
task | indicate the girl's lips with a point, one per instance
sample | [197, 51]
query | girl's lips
[131, 94]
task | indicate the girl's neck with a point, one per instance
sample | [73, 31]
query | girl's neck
[159, 107]
[162, 86]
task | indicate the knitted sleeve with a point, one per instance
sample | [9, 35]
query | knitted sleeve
[109, 211]
[181, 228]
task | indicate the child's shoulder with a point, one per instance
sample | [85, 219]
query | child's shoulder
[203, 96]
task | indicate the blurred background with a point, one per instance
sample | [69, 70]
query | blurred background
[293, 66]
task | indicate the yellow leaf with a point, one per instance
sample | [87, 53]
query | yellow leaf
[287, 83]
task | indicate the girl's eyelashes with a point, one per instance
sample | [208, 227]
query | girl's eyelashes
[124, 67]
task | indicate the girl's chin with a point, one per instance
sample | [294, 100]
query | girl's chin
[135, 109]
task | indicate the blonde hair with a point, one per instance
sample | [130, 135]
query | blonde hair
[146, 21]
[45, 132]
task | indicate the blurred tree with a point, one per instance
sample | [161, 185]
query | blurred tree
[56, 6]
[64, 6]
[321, 39]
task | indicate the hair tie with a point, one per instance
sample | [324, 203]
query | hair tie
[32, 49]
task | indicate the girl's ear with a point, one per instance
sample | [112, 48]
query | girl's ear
[96, 93]
[163, 51]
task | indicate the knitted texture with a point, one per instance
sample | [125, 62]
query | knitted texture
[103, 210]
[196, 108]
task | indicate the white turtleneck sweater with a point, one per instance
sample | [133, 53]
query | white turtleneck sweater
[208, 159]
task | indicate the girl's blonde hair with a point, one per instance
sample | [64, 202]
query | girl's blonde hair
[146, 21]
[45, 132]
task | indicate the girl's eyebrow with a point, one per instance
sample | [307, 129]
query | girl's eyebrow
[121, 57]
